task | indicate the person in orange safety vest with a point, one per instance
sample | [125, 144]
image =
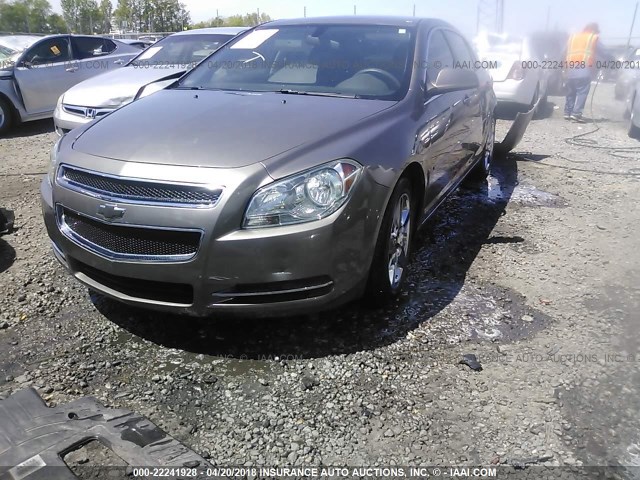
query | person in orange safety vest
[579, 70]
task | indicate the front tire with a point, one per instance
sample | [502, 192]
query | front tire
[391, 257]
[6, 116]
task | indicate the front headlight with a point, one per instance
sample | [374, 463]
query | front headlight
[305, 197]
[60, 100]
[53, 161]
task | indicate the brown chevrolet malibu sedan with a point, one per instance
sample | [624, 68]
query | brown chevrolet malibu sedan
[286, 173]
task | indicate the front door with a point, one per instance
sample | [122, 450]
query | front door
[43, 73]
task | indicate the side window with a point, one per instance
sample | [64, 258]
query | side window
[438, 55]
[109, 46]
[463, 55]
[89, 47]
[53, 50]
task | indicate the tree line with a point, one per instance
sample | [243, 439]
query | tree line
[99, 16]
[152, 15]
[30, 16]
[247, 20]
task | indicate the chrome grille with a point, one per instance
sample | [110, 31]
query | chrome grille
[87, 112]
[137, 191]
[128, 242]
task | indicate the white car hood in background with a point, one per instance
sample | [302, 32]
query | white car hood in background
[117, 87]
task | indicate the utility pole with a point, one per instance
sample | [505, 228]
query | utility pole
[500, 16]
[546, 27]
[305, 12]
[414, 9]
[633, 22]
[355, 12]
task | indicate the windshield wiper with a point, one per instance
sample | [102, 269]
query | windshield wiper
[287, 91]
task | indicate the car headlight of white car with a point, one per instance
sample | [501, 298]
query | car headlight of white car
[311, 195]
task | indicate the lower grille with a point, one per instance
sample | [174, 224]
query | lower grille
[177, 293]
[126, 242]
[276, 292]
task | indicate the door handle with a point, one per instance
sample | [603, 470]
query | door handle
[118, 62]
[71, 69]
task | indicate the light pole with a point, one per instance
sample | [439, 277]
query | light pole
[633, 22]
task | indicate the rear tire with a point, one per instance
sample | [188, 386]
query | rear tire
[634, 131]
[393, 247]
[6, 116]
[482, 169]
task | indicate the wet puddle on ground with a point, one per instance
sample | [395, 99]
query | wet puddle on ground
[524, 195]
[476, 313]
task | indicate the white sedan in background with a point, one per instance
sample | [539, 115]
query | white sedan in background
[519, 78]
[152, 70]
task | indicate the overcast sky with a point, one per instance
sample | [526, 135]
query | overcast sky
[614, 16]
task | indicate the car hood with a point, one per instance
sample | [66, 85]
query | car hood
[117, 87]
[219, 128]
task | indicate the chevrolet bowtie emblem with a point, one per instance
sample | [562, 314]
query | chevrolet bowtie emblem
[111, 212]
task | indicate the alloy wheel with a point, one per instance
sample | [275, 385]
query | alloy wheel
[488, 149]
[399, 240]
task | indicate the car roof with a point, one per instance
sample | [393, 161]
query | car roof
[361, 20]
[214, 31]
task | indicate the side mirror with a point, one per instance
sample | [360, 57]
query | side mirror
[454, 79]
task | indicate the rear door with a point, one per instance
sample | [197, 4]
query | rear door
[96, 55]
[43, 73]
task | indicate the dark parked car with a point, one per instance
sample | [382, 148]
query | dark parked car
[633, 111]
[286, 173]
[627, 75]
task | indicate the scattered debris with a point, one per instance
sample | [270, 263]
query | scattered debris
[471, 361]
[35, 437]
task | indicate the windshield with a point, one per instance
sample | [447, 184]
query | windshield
[18, 43]
[5, 52]
[181, 50]
[364, 61]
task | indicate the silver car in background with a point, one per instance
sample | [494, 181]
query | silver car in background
[519, 78]
[286, 173]
[150, 71]
[32, 81]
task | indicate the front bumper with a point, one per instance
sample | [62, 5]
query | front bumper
[272, 271]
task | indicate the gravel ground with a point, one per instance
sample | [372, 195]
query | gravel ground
[536, 274]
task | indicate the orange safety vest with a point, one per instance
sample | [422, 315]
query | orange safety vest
[582, 48]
